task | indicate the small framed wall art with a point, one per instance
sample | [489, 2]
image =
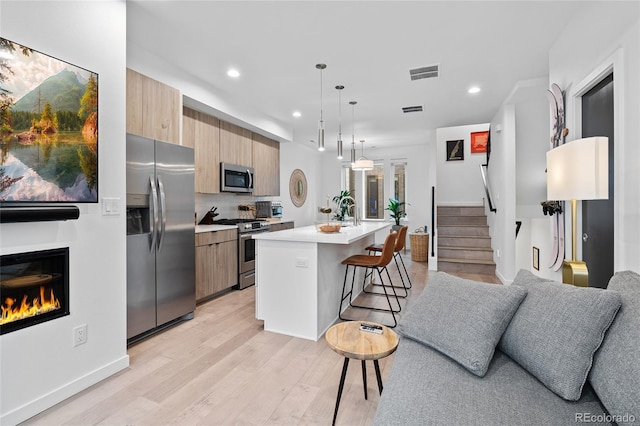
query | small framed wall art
[536, 258]
[479, 141]
[455, 150]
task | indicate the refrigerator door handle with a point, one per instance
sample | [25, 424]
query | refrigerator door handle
[163, 213]
[154, 222]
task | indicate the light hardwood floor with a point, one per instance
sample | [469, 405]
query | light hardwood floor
[222, 368]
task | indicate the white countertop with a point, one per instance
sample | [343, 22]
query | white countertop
[309, 234]
[213, 228]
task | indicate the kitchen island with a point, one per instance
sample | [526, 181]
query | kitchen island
[299, 276]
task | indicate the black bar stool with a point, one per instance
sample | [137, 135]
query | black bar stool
[379, 263]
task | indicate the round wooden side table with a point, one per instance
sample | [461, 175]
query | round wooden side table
[348, 340]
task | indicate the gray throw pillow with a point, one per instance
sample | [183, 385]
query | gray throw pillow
[556, 331]
[462, 319]
[615, 375]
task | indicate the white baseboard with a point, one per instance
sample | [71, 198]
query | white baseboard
[52, 398]
[502, 278]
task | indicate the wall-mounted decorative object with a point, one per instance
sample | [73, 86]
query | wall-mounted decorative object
[455, 150]
[536, 258]
[48, 128]
[298, 188]
[479, 141]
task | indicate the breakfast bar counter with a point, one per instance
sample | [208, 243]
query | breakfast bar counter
[299, 276]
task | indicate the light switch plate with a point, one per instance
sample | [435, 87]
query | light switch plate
[110, 206]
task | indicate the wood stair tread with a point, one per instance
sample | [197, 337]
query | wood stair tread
[485, 237]
[473, 261]
[466, 248]
[462, 225]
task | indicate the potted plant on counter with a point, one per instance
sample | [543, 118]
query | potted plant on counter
[344, 201]
[397, 212]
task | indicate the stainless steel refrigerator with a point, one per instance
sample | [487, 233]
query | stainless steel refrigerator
[160, 234]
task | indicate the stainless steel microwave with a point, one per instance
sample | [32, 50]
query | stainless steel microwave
[234, 178]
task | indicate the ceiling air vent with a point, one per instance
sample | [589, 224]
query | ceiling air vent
[417, 108]
[424, 72]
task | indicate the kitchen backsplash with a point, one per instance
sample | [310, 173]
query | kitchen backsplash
[227, 204]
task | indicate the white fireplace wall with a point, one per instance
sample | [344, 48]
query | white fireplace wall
[39, 366]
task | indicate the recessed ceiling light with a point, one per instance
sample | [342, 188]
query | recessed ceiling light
[233, 73]
[474, 89]
[297, 114]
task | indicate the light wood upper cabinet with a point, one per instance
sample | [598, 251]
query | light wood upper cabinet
[153, 108]
[266, 166]
[201, 132]
[134, 102]
[236, 145]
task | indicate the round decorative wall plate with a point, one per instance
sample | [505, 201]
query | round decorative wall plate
[298, 188]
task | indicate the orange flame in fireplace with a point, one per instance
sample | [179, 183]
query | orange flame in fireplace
[11, 311]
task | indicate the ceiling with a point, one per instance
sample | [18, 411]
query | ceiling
[369, 47]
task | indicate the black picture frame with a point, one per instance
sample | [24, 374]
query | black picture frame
[536, 258]
[455, 150]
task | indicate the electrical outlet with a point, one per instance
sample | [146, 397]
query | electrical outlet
[80, 335]
[302, 262]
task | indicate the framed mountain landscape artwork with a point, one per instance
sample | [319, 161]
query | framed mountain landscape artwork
[48, 128]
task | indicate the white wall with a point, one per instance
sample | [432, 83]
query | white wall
[39, 366]
[501, 173]
[459, 182]
[532, 114]
[575, 60]
[306, 158]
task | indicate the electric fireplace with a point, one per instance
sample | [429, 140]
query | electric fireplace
[34, 288]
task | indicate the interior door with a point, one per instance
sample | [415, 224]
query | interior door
[597, 215]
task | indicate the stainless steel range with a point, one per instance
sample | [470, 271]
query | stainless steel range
[246, 247]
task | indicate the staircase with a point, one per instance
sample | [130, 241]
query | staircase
[464, 244]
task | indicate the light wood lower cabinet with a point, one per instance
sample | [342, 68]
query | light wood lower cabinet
[216, 262]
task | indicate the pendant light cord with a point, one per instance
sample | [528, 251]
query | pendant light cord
[339, 114]
[320, 94]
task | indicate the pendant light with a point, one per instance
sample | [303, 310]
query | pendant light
[339, 89]
[321, 122]
[353, 139]
[363, 162]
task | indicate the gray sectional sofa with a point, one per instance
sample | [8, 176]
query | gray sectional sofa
[535, 352]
